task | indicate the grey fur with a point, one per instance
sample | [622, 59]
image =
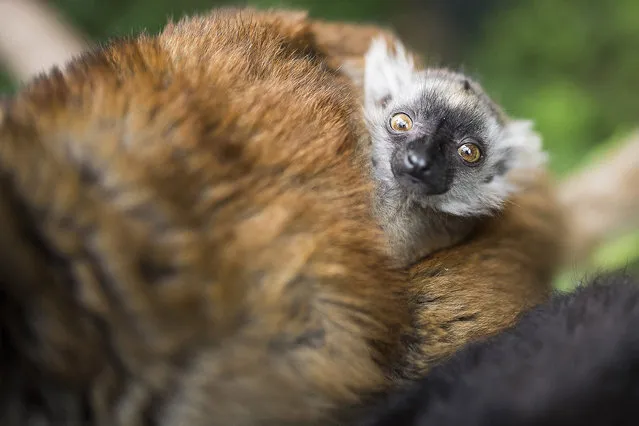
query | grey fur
[450, 106]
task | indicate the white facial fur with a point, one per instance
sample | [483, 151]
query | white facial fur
[393, 84]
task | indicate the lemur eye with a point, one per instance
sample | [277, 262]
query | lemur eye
[469, 152]
[401, 122]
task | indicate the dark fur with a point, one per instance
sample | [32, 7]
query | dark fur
[573, 361]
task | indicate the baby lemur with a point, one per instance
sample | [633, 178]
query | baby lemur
[443, 153]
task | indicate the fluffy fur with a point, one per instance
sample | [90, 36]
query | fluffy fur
[187, 238]
[480, 286]
[194, 239]
[418, 224]
[573, 361]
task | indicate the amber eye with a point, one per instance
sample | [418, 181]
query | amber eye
[469, 152]
[401, 122]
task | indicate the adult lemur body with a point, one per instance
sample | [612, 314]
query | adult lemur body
[196, 227]
[188, 239]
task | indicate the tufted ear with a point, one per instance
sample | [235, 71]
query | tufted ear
[388, 70]
[524, 146]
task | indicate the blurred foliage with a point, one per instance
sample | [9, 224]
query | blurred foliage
[101, 19]
[571, 66]
[5, 83]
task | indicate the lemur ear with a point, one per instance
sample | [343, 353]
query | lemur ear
[387, 72]
[524, 147]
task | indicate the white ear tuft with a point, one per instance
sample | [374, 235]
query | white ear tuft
[386, 72]
[525, 144]
[527, 156]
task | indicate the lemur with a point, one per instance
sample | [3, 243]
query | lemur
[444, 155]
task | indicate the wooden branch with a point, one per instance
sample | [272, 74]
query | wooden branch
[602, 200]
[33, 37]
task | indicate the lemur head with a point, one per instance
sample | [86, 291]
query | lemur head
[438, 139]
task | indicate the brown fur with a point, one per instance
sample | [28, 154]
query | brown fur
[193, 244]
[481, 286]
[345, 45]
[220, 253]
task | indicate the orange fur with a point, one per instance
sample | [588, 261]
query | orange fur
[481, 286]
[195, 209]
[204, 189]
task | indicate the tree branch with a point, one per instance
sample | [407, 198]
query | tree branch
[33, 38]
[602, 200]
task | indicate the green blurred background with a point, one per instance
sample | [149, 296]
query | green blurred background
[571, 65]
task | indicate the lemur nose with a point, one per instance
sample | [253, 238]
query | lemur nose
[416, 162]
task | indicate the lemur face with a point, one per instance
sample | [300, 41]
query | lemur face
[438, 140]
